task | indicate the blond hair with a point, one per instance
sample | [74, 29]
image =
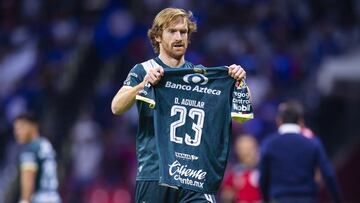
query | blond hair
[164, 18]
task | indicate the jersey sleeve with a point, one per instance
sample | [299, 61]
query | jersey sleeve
[327, 171]
[135, 76]
[28, 159]
[242, 109]
[147, 95]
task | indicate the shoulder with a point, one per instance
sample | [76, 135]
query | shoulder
[270, 142]
[271, 138]
[137, 69]
[45, 143]
[32, 146]
[45, 148]
[316, 141]
[29, 152]
[143, 67]
[146, 65]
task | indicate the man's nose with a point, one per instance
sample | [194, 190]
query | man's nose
[178, 35]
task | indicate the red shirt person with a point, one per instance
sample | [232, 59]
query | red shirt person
[241, 181]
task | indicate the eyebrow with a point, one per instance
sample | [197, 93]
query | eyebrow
[175, 29]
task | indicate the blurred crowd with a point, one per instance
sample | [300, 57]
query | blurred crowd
[66, 59]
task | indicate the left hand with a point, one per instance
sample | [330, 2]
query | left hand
[237, 72]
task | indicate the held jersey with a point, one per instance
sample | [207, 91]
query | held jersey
[40, 156]
[146, 152]
[193, 111]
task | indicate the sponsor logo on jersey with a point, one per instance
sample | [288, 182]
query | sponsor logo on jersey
[242, 108]
[189, 88]
[143, 92]
[148, 85]
[128, 78]
[186, 175]
[240, 84]
[241, 100]
[133, 75]
[127, 82]
[186, 156]
[195, 79]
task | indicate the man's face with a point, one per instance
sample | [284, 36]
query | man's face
[246, 150]
[22, 131]
[174, 39]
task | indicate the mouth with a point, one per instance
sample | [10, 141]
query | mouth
[178, 45]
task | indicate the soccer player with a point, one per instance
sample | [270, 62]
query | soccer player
[289, 161]
[169, 35]
[38, 176]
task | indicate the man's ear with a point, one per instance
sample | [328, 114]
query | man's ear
[158, 39]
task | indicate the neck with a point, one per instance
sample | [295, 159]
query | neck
[31, 137]
[34, 135]
[171, 61]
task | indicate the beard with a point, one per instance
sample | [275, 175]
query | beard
[175, 50]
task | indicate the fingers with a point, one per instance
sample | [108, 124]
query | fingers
[154, 75]
[237, 72]
[231, 70]
[160, 70]
[240, 74]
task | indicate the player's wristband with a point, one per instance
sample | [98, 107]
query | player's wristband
[24, 201]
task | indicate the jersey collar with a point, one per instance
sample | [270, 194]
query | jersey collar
[162, 64]
[289, 128]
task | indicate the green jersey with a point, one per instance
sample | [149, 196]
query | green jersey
[193, 112]
[40, 156]
[147, 156]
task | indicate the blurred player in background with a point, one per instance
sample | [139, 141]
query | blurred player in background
[38, 169]
[289, 161]
[169, 35]
[241, 184]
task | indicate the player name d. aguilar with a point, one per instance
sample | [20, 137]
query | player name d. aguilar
[196, 88]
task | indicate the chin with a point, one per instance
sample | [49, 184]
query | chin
[178, 56]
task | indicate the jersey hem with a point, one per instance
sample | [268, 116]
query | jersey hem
[188, 188]
[167, 185]
[144, 179]
[241, 118]
[147, 100]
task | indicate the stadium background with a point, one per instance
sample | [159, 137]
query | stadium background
[66, 59]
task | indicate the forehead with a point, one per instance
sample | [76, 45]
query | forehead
[21, 122]
[245, 141]
[178, 22]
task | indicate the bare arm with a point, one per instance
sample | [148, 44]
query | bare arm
[125, 98]
[27, 180]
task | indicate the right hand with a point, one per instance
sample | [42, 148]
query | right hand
[154, 75]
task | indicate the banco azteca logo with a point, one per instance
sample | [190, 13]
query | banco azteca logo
[196, 79]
